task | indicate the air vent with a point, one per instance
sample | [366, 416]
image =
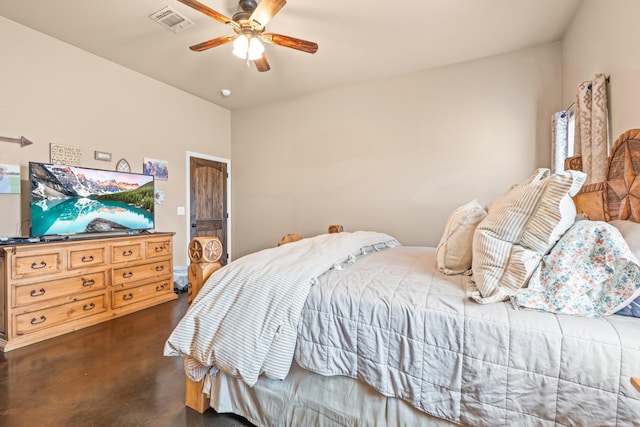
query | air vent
[169, 18]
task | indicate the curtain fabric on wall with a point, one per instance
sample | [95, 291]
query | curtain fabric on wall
[559, 140]
[592, 135]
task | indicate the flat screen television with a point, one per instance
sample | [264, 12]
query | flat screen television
[68, 200]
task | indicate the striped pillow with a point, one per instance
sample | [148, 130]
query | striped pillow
[521, 227]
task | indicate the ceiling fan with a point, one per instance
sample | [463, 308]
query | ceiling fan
[249, 26]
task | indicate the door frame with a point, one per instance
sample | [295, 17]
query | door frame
[189, 155]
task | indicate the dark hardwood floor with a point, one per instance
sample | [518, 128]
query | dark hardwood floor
[112, 374]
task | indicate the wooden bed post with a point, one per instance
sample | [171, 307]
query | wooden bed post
[198, 274]
[204, 253]
[195, 398]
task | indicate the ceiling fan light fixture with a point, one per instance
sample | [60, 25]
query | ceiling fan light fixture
[247, 47]
[249, 25]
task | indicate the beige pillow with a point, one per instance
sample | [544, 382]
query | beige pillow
[454, 251]
[631, 232]
[521, 227]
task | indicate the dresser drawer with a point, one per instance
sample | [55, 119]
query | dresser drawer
[158, 248]
[134, 273]
[131, 295]
[42, 291]
[40, 264]
[127, 252]
[83, 258]
[51, 316]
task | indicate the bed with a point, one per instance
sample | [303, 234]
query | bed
[355, 329]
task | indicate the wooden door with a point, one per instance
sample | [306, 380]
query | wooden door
[208, 209]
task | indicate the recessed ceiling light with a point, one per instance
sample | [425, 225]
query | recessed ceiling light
[225, 92]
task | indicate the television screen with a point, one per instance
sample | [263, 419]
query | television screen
[70, 200]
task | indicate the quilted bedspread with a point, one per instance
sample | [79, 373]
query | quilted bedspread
[244, 319]
[393, 321]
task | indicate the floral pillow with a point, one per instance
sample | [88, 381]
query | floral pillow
[590, 272]
[631, 232]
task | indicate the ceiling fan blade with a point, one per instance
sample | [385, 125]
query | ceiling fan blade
[266, 10]
[213, 43]
[210, 12]
[262, 64]
[292, 42]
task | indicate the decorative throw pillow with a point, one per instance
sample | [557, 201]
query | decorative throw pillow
[455, 248]
[632, 310]
[631, 232]
[521, 227]
[589, 272]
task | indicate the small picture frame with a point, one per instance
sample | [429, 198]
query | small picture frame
[101, 155]
[9, 179]
[157, 168]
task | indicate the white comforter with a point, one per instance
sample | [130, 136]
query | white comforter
[244, 319]
[396, 323]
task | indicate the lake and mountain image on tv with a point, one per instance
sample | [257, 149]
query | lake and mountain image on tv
[71, 200]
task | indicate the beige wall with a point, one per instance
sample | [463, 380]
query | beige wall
[604, 38]
[53, 92]
[396, 155]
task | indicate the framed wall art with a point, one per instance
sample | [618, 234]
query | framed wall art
[157, 168]
[9, 179]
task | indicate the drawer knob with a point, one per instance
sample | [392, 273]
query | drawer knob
[88, 307]
[159, 248]
[127, 253]
[36, 266]
[127, 297]
[35, 293]
[127, 275]
[89, 282]
[159, 288]
[159, 267]
[87, 258]
[35, 321]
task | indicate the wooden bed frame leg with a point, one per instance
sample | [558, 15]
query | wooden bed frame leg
[200, 269]
[195, 398]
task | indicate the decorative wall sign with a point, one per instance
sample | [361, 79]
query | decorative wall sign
[157, 168]
[65, 154]
[9, 179]
[123, 166]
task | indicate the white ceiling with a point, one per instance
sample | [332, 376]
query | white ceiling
[357, 40]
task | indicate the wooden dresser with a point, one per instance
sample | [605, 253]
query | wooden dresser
[51, 288]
